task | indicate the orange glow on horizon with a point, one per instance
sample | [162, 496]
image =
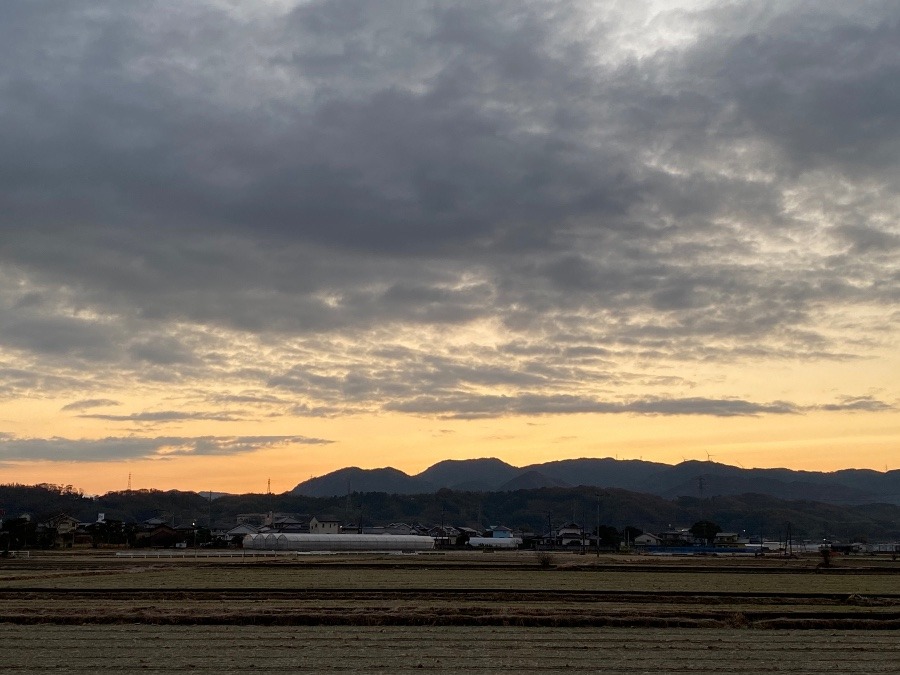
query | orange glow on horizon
[850, 440]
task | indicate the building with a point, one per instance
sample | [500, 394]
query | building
[324, 524]
[730, 539]
[237, 533]
[498, 532]
[571, 535]
[58, 531]
[285, 523]
[444, 536]
[647, 539]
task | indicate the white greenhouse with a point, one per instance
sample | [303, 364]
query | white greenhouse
[337, 542]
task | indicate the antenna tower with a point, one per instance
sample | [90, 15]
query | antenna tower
[129, 482]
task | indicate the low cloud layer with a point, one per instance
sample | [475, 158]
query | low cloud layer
[130, 447]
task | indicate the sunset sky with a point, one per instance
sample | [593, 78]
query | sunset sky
[253, 241]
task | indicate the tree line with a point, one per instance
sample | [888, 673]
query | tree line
[530, 510]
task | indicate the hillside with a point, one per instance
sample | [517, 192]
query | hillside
[690, 478]
[530, 509]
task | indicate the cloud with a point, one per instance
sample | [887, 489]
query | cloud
[57, 336]
[164, 416]
[15, 449]
[476, 407]
[18, 382]
[860, 404]
[450, 209]
[459, 406]
[162, 350]
[88, 403]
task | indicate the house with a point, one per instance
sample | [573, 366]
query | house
[164, 536]
[285, 523]
[468, 532]
[445, 535]
[156, 521]
[400, 529]
[241, 531]
[61, 528]
[570, 534]
[256, 519]
[324, 524]
[647, 539]
[730, 539]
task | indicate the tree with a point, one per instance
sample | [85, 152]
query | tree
[108, 532]
[706, 530]
[630, 533]
[609, 537]
[19, 532]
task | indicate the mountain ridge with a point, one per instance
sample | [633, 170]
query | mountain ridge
[689, 478]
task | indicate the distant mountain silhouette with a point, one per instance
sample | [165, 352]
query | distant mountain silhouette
[354, 479]
[690, 478]
[531, 480]
[628, 474]
[476, 475]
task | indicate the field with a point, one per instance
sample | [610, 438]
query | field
[455, 612]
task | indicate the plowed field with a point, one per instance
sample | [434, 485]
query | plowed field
[397, 650]
[462, 613]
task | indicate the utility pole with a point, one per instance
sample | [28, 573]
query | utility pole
[583, 521]
[550, 531]
[598, 524]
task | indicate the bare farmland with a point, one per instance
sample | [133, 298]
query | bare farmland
[491, 613]
[412, 649]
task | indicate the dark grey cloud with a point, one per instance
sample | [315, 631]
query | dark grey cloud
[163, 350]
[164, 416]
[481, 407]
[247, 398]
[14, 449]
[860, 403]
[88, 403]
[818, 85]
[477, 407]
[306, 202]
[18, 382]
[57, 336]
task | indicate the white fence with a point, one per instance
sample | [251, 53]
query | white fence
[18, 554]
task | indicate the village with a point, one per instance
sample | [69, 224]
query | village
[323, 532]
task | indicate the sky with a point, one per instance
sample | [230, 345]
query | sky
[246, 243]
